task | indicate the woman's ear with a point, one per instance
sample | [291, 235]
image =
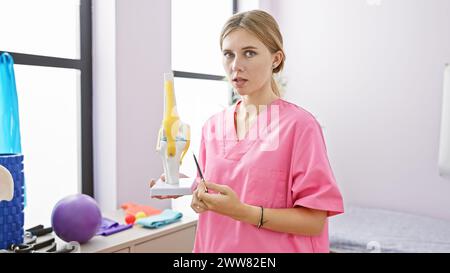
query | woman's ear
[277, 58]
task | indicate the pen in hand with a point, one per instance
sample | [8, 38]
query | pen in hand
[200, 172]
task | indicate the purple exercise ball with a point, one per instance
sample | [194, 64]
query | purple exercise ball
[76, 218]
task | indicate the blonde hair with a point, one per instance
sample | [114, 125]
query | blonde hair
[265, 28]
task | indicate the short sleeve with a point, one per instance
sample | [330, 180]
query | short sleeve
[313, 184]
[201, 160]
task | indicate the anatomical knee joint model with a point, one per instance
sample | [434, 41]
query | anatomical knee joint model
[173, 142]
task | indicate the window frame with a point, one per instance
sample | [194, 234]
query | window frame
[84, 64]
[204, 76]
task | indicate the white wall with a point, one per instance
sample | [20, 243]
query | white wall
[143, 55]
[131, 51]
[104, 102]
[372, 73]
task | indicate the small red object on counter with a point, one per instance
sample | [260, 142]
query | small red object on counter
[130, 219]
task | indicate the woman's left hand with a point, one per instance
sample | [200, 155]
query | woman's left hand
[224, 201]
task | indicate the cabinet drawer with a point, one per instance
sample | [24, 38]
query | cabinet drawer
[180, 241]
[123, 250]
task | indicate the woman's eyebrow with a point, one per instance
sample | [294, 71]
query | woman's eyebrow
[249, 47]
[244, 48]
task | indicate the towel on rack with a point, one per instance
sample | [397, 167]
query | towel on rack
[166, 217]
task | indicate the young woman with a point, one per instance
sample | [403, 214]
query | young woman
[269, 185]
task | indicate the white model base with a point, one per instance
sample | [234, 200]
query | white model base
[162, 188]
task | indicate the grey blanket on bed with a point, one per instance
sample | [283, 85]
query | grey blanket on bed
[375, 230]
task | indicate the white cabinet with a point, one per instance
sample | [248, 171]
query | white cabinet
[175, 237]
[181, 241]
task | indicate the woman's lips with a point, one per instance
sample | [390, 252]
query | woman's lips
[239, 82]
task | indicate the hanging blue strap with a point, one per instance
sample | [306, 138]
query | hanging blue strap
[10, 142]
[5, 109]
[9, 109]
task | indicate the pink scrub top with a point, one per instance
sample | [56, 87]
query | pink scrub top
[281, 163]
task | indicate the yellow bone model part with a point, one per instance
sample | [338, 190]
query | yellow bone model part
[171, 121]
[171, 124]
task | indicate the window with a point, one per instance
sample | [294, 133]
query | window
[50, 41]
[196, 26]
[43, 27]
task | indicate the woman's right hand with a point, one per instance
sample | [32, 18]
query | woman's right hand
[163, 178]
